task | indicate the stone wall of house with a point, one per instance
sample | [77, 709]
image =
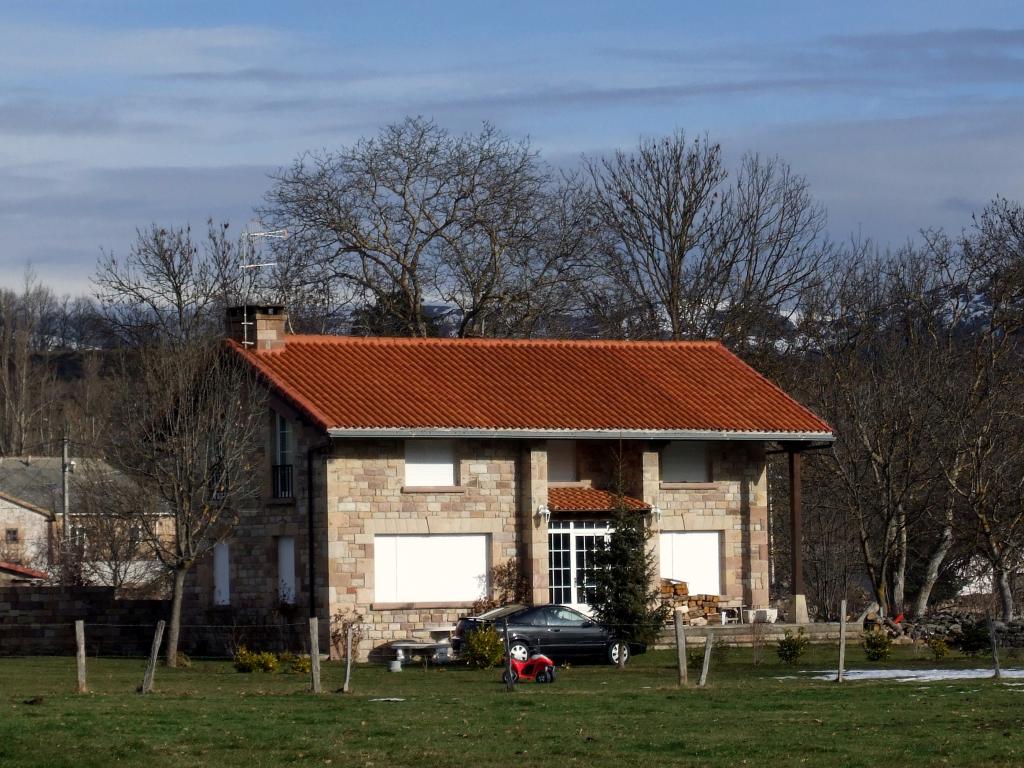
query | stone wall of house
[359, 492]
[33, 532]
[39, 620]
[256, 612]
[734, 502]
[366, 497]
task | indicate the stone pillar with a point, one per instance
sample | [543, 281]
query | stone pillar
[533, 485]
[756, 520]
[650, 462]
[798, 602]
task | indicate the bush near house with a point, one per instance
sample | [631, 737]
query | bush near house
[792, 647]
[876, 644]
[484, 648]
[254, 661]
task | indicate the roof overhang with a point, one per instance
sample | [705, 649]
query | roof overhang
[27, 505]
[583, 434]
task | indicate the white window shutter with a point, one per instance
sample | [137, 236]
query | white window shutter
[221, 575]
[685, 461]
[562, 461]
[429, 463]
[694, 557]
[424, 569]
[286, 569]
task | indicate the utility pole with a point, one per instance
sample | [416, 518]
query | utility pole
[65, 469]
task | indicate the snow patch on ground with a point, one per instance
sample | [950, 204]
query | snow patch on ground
[915, 675]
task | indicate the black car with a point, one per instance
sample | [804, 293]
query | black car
[562, 633]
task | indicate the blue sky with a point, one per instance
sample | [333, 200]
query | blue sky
[115, 115]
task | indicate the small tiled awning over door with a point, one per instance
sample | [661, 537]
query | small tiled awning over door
[577, 499]
[573, 537]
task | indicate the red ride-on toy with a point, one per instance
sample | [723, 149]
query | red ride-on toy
[538, 667]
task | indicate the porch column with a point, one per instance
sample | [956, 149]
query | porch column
[798, 603]
[533, 485]
[651, 480]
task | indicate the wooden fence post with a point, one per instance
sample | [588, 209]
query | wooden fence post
[684, 677]
[154, 653]
[80, 642]
[510, 683]
[708, 645]
[348, 657]
[314, 654]
[842, 641]
[997, 673]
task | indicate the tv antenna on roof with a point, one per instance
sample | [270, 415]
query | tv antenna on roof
[272, 234]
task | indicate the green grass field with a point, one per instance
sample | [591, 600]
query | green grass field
[210, 715]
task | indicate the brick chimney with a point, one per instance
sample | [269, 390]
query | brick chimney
[257, 327]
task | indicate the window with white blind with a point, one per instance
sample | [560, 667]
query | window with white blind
[562, 461]
[430, 463]
[221, 575]
[286, 569]
[431, 568]
[694, 557]
[685, 461]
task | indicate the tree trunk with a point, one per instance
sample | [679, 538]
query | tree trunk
[1001, 581]
[931, 571]
[175, 625]
[899, 579]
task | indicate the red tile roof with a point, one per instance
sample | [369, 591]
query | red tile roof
[20, 570]
[566, 499]
[354, 383]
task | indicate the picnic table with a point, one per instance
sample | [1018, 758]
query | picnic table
[406, 650]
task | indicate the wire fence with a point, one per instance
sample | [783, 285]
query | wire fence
[286, 642]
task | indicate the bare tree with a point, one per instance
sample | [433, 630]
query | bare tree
[194, 415]
[984, 415]
[169, 289]
[417, 215]
[115, 547]
[701, 258]
[190, 413]
[27, 396]
[874, 375]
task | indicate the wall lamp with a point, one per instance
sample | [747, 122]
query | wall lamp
[543, 513]
[656, 511]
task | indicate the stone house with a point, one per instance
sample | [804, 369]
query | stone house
[32, 512]
[397, 472]
[27, 530]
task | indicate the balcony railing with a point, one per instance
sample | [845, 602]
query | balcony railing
[282, 481]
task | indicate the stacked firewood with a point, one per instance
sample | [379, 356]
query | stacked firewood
[699, 609]
[674, 593]
[704, 607]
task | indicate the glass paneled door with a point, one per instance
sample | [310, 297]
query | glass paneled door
[571, 545]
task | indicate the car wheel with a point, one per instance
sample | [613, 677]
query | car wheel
[519, 651]
[613, 653]
[507, 676]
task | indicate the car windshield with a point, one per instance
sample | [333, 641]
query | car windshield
[500, 611]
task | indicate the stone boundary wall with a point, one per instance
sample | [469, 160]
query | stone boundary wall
[39, 620]
[742, 634]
